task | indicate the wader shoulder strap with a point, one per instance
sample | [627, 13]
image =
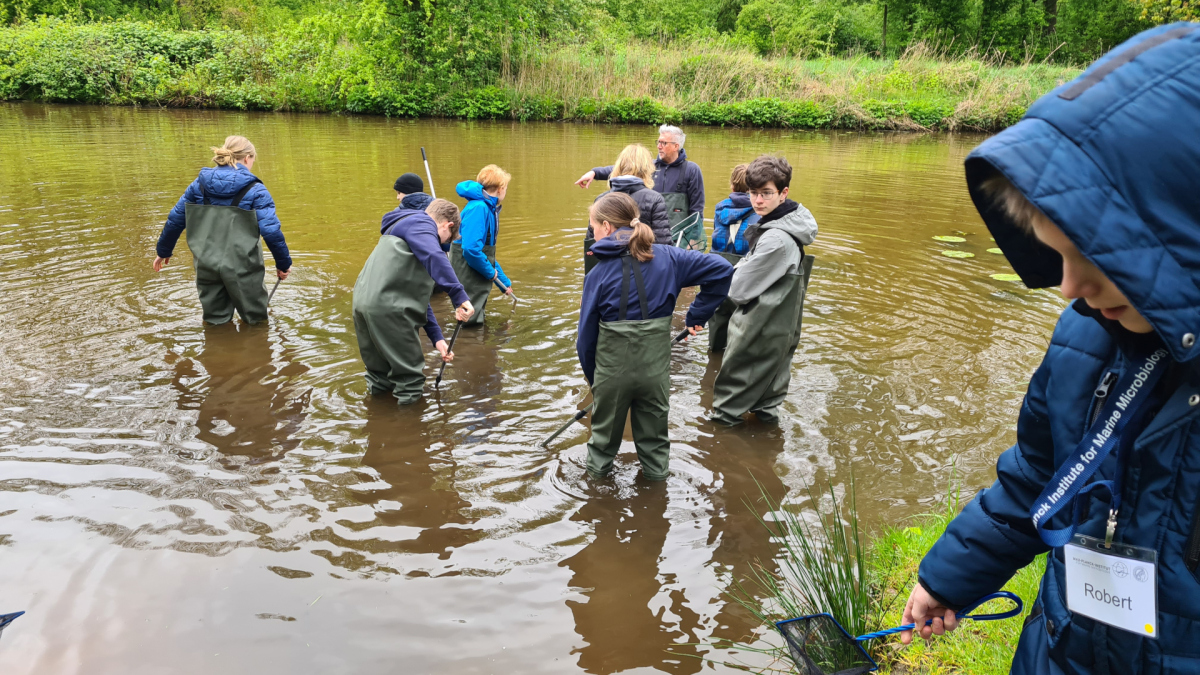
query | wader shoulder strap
[237, 198]
[627, 262]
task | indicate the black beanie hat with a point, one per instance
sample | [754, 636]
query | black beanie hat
[409, 183]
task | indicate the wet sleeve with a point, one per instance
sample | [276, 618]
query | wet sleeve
[473, 231]
[993, 537]
[760, 269]
[432, 329]
[711, 273]
[176, 220]
[270, 228]
[695, 190]
[426, 246]
[589, 327]
[603, 172]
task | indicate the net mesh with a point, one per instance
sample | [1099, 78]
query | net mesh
[819, 646]
[689, 234]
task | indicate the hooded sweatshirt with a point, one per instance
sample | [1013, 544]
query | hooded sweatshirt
[419, 231]
[651, 205]
[681, 175]
[480, 226]
[670, 270]
[734, 216]
[221, 183]
[776, 243]
[415, 201]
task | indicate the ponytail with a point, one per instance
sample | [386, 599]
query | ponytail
[235, 149]
[620, 210]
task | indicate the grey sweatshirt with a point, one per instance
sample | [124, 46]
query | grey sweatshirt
[775, 254]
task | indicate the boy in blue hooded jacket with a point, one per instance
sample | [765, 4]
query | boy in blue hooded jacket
[473, 253]
[734, 216]
[1094, 190]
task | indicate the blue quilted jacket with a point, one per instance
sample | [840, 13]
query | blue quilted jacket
[222, 183]
[1113, 158]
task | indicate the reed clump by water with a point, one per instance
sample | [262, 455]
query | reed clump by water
[316, 66]
[828, 565]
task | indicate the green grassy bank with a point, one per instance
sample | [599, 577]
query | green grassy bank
[312, 66]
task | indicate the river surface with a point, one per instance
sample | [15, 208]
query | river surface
[190, 500]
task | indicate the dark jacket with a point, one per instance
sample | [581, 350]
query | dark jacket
[221, 183]
[670, 270]
[1109, 159]
[419, 231]
[416, 201]
[650, 204]
[733, 212]
[480, 227]
[678, 176]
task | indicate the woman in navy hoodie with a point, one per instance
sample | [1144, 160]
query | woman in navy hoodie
[624, 341]
[391, 298]
[225, 241]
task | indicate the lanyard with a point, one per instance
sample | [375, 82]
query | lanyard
[1132, 392]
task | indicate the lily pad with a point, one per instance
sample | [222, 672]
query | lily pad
[949, 239]
[1006, 277]
[958, 254]
[996, 251]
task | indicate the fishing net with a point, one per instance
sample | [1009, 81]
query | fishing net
[689, 233]
[819, 646]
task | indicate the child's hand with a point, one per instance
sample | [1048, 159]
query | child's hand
[695, 330]
[464, 311]
[160, 263]
[282, 274]
[586, 179]
[444, 350]
[920, 608]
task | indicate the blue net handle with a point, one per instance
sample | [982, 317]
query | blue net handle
[964, 613]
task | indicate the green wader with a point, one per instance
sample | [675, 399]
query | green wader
[633, 360]
[718, 325]
[691, 236]
[476, 286]
[228, 260]
[763, 336]
[390, 299]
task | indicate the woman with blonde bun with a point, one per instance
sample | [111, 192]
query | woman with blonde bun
[624, 341]
[225, 211]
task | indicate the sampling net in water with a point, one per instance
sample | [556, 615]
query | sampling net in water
[820, 646]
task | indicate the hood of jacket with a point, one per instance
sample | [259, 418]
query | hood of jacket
[416, 201]
[740, 200]
[473, 191]
[409, 216]
[661, 163]
[613, 245]
[627, 184]
[800, 224]
[1107, 159]
[225, 181]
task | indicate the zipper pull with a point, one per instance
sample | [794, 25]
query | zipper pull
[1110, 378]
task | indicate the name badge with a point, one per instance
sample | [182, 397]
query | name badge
[1117, 586]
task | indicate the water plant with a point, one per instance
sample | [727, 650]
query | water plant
[950, 239]
[1006, 276]
[958, 254]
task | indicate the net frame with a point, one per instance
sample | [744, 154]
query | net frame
[799, 652]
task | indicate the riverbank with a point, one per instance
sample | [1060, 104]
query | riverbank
[302, 69]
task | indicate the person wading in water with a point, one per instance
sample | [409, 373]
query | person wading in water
[473, 254]
[624, 341]
[224, 212]
[633, 174]
[391, 298]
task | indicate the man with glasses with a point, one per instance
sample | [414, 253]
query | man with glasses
[675, 177]
[768, 288]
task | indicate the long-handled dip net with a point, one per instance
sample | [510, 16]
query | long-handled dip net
[820, 646]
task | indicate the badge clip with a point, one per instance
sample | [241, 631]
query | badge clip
[1111, 529]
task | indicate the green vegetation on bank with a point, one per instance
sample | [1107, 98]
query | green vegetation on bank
[974, 64]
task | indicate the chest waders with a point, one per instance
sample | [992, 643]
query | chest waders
[763, 336]
[390, 299]
[718, 325]
[633, 360]
[476, 285]
[228, 259]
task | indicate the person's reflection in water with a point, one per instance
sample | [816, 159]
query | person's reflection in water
[618, 572]
[742, 461]
[245, 406]
[417, 464]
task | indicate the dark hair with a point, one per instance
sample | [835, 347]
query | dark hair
[737, 179]
[619, 210]
[769, 169]
[442, 209]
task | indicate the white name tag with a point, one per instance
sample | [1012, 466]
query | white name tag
[1116, 586]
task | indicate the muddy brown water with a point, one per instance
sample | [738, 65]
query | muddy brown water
[190, 500]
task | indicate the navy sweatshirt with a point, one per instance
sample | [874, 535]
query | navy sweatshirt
[671, 270]
[419, 231]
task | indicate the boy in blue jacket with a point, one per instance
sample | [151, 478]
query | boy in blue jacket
[473, 254]
[1094, 190]
[734, 216]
